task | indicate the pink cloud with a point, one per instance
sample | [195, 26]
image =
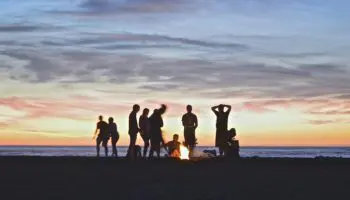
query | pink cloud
[72, 107]
[323, 122]
[309, 106]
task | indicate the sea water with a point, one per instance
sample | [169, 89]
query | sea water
[291, 152]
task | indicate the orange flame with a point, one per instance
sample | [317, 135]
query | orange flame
[184, 153]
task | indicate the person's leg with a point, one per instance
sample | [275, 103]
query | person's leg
[145, 148]
[158, 151]
[131, 149]
[104, 144]
[98, 142]
[221, 151]
[151, 152]
[220, 141]
[114, 148]
[133, 138]
[138, 152]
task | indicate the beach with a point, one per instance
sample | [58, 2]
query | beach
[30, 177]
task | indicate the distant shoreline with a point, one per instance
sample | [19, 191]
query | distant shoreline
[201, 146]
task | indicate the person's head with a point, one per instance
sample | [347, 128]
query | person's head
[100, 118]
[189, 108]
[136, 108]
[162, 109]
[232, 132]
[221, 108]
[176, 137]
[145, 112]
[110, 120]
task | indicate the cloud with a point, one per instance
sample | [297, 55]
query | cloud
[331, 112]
[139, 41]
[321, 122]
[17, 28]
[131, 7]
[202, 77]
[71, 107]
[320, 106]
[343, 96]
[325, 122]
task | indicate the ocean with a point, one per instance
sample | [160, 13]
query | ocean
[291, 152]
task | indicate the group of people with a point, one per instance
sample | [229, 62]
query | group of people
[150, 129]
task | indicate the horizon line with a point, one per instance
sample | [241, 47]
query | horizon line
[212, 146]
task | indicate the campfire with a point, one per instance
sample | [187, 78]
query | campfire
[184, 153]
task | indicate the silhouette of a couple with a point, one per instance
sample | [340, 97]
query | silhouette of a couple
[105, 132]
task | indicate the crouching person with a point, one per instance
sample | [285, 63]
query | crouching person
[231, 146]
[173, 147]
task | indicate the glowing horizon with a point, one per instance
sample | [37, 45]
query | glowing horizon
[282, 66]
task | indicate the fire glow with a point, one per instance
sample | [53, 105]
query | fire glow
[184, 153]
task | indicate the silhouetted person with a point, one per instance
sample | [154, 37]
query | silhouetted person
[113, 131]
[136, 153]
[221, 125]
[102, 137]
[133, 128]
[190, 123]
[174, 146]
[231, 147]
[145, 130]
[156, 123]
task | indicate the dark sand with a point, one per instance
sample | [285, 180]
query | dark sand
[92, 178]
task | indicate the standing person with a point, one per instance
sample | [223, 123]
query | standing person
[133, 128]
[103, 136]
[145, 130]
[221, 125]
[156, 123]
[113, 131]
[190, 123]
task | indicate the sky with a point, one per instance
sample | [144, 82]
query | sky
[282, 65]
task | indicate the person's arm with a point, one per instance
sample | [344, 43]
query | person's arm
[183, 120]
[228, 108]
[195, 121]
[161, 122]
[136, 123]
[141, 124]
[97, 128]
[214, 109]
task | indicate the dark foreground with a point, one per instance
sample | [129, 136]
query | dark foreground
[92, 178]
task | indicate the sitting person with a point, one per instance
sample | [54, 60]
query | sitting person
[231, 146]
[173, 147]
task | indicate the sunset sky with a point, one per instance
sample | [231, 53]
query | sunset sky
[283, 65]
